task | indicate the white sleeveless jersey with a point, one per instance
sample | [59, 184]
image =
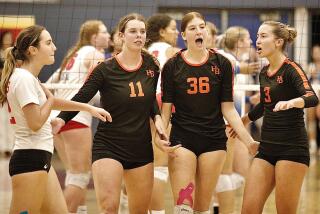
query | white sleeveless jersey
[75, 73]
[24, 88]
[158, 49]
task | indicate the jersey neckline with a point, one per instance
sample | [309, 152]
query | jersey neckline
[271, 74]
[192, 64]
[129, 70]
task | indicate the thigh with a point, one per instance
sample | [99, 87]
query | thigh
[228, 164]
[241, 159]
[78, 143]
[135, 186]
[28, 191]
[209, 168]
[259, 184]
[54, 201]
[289, 177]
[107, 176]
[182, 171]
[61, 150]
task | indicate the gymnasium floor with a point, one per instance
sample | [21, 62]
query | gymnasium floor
[309, 203]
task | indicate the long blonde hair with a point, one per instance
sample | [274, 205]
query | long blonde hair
[232, 36]
[87, 30]
[29, 36]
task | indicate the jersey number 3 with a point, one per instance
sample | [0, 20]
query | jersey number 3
[200, 85]
[133, 90]
[267, 98]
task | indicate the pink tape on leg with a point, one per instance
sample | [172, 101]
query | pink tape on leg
[186, 194]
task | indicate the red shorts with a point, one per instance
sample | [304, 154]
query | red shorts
[72, 125]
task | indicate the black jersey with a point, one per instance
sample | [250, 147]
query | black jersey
[129, 96]
[197, 92]
[283, 127]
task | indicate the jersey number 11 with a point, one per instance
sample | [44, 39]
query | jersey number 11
[133, 90]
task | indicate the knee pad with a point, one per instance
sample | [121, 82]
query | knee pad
[224, 184]
[237, 180]
[82, 209]
[78, 179]
[161, 173]
[183, 209]
[157, 212]
[203, 212]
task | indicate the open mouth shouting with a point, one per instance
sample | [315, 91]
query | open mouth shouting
[259, 50]
[199, 42]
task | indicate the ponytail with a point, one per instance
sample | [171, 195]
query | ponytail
[9, 65]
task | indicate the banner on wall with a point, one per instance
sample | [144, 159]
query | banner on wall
[15, 24]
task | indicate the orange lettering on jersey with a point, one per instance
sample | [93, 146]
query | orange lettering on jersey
[279, 79]
[150, 73]
[215, 69]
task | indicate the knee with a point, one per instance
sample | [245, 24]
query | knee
[108, 208]
[248, 208]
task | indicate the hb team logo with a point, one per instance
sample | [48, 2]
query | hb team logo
[150, 73]
[215, 69]
[279, 79]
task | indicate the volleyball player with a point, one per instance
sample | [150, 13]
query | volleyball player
[123, 149]
[198, 82]
[283, 157]
[35, 187]
[74, 141]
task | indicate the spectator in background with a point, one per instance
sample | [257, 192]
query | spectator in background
[115, 43]
[313, 114]
[212, 34]
[6, 41]
[162, 35]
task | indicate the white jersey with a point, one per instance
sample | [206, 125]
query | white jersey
[6, 132]
[75, 73]
[158, 49]
[24, 88]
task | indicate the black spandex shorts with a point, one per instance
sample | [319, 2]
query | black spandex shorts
[196, 143]
[125, 164]
[29, 160]
[273, 153]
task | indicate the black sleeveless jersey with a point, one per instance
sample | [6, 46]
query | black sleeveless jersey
[197, 92]
[129, 96]
[283, 127]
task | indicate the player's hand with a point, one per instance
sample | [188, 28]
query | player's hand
[231, 133]
[254, 99]
[100, 113]
[160, 128]
[283, 105]
[253, 148]
[164, 146]
[56, 124]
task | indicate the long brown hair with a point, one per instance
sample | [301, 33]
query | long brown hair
[188, 17]
[154, 24]
[87, 30]
[29, 36]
